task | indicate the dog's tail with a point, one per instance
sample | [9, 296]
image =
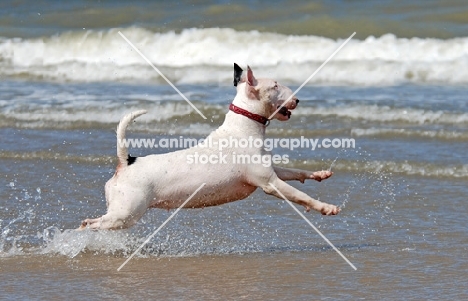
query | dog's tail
[122, 146]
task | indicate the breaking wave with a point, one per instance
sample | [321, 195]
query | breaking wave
[206, 56]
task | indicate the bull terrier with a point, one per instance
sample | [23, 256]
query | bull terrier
[167, 180]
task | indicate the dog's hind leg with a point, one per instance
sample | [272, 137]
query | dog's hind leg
[109, 222]
[89, 223]
[121, 213]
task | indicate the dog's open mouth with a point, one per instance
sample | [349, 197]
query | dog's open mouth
[285, 112]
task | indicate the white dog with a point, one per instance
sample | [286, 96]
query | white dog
[167, 180]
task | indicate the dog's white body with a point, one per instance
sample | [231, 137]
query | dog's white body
[167, 180]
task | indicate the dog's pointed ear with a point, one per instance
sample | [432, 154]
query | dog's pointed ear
[250, 88]
[237, 74]
[251, 80]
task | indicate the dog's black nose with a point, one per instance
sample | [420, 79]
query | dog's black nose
[297, 101]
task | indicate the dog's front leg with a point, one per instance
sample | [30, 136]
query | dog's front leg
[298, 197]
[290, 174]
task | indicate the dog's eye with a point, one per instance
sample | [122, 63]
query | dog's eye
[275, 86]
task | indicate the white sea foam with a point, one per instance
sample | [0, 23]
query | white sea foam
[80, 113]
[206, 56]
[379, 113]
[404, 168]
[379, 132]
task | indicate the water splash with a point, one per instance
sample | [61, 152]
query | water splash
[71, 242]
[13, 233]
[331, 165]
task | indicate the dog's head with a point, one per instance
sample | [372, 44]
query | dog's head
[264, 96]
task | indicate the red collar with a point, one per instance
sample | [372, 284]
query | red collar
[263, 120]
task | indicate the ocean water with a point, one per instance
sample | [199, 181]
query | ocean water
[398, 88]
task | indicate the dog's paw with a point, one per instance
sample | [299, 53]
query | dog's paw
[82, 226]
[328, 209]
[321, 175]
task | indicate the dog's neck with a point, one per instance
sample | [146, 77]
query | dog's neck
[259, 118]
[236, 123]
